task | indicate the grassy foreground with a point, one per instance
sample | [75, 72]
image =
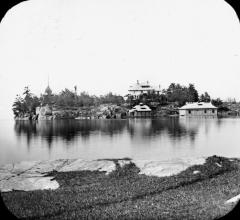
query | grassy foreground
[125, 193]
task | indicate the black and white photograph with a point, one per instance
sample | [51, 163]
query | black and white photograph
[120, 109]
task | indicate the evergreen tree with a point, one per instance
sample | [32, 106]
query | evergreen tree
[205, 97]
[192, 95]
[27, 104]
[217, 102]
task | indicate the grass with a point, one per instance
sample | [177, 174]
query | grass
[125, 193]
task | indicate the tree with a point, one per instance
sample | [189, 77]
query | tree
[18, 106]
[205, 97]
[85, 99]
[66, 98]
[192, 95]
[30, 101]
[27, 104]
[177, 93]
[111, 98]
[217, 102]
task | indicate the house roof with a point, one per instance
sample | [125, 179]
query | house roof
[144, 86]
[198, 105]
[140, 108]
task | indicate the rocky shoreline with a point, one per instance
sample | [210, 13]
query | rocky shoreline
[92, 112]
[203, 188]
[104, 111]
[31, 175]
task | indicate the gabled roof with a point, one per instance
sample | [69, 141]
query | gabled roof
[140, 108]
[198, 105]
[144, 86]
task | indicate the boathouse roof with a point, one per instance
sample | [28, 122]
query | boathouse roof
[198, 105]
[140, 108]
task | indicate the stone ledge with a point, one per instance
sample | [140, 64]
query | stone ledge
[30, 175]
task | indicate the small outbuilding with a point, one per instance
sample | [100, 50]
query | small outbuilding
[140, 111]
[198, 109]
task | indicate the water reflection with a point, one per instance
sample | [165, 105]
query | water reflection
[151, 128]
[136, 138]
[70, 130]
[67, 130]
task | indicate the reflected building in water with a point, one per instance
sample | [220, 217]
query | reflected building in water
[172, 127]
[137, 129]
[136, 138]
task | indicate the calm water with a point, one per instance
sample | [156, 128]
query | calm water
[153, 139]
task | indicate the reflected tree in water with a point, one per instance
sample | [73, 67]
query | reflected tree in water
[67, 130]
[27, 129]
[70, 130]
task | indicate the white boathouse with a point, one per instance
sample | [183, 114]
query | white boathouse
[198, 109]
[140, 111]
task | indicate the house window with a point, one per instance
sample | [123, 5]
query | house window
[189, 111]
[213, 111]
[205, 111]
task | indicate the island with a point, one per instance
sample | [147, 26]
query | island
[142, 100]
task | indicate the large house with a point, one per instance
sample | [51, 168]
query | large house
[142, 88]
[198, 109]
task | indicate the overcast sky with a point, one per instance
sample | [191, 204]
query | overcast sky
[106, 45]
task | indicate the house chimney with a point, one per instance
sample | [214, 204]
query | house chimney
[137, 82]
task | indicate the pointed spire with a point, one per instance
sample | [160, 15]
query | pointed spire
[48, 89]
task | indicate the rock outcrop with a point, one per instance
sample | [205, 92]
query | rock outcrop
[44, 113]
[31, 175]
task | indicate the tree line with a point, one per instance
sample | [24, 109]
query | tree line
[175, 93]
[28, 102]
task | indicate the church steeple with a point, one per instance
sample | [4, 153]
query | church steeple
[48, 90]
